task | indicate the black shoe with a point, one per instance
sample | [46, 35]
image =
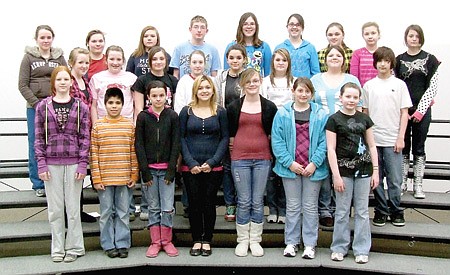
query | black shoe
[206, 252]
[379, 219]
[195, 251]
[85, 217]
[123, 253]
[326, 221]
[112, 253]
[398, 219]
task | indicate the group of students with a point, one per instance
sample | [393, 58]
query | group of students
[315, 131]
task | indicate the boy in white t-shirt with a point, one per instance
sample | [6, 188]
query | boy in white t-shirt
[386, 100]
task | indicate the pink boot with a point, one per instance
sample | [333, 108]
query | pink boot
[155, 247]
[166, 241]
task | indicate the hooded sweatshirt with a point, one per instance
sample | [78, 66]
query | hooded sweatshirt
[35, 72]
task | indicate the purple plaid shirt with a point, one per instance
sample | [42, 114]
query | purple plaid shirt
[66, 146]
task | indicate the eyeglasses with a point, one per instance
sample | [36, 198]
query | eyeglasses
[291, 25]
[249, 24]
[253, 82]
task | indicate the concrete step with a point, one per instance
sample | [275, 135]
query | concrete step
[224, 260]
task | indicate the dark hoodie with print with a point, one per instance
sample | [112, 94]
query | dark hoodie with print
[35, 72]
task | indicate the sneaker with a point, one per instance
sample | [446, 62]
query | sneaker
[40, 193]
[362, 259]
[326, 221]
[379, 219]
[230, 214]
[398, 219]
[309, 252]
[123, 253]
[112, 253]
[338, 257]
[57, 259]
[281, 219]
[85, 217]
[290, 250]
[143, 216]
[272, 219]
[132, 216]
[70, 258]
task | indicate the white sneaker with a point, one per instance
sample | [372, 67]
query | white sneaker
[362, 259]
[336, 256]
[281, 219]
[290, 250]
[309, 252]
[272, 219]
[143, 216]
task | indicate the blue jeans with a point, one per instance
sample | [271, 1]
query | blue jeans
[301, 211]
[356, 190]
[32, 163]
[114, 221]
[276, 198]
[327, 205]
[250, 179]
[161, 198]
[390, 163]
[229, 191]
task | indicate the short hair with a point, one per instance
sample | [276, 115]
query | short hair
[384, 53]
[198, 18]
[350, 85]
[419, 31]
[43, 27]
[114, 91]
[53, 77]
[304, 82]
[91, 33]
[156, 84]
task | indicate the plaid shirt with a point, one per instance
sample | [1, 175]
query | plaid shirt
[62, 147]
[323, 65]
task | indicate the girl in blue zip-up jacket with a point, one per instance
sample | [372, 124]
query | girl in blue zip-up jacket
[299, 145]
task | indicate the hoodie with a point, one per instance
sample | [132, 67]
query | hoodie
[35, 72]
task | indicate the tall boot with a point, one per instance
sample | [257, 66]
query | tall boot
[166, 241]
[243, 239]
[405, 171]
[155, 246]
[256, 230]
[419, 171]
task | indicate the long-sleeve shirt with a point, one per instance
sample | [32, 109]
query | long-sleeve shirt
[113, 157]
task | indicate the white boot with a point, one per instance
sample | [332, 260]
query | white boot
[256, 230]
[243, 239]
[405, 170]
[419, 171]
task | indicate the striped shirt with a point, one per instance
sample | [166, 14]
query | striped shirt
[113, 158]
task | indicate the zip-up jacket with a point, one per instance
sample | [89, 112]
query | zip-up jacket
[157, 141]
